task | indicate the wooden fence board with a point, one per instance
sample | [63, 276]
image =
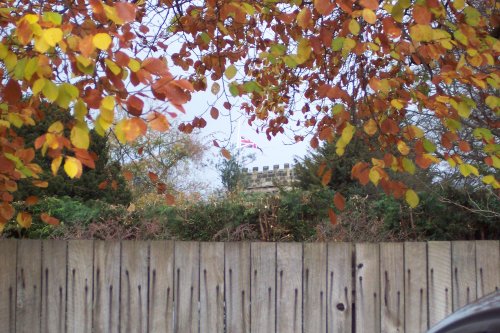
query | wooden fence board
[106, 286]
[263, 281]
[8, 250]
[187, 282]
[415, 287]
[314, 287]
[392, 287]
[161, 287]
[463, 258]
[487, 267]
[80, 286]
[54, 286]
[211, 287]
[367, 288]
[289, 287]
[134, 287]
[439, 281]
[29, 293]
[237, 282]
[339, 301]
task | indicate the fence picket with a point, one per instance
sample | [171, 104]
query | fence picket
[106, 286]
[339, 302]
[211, 287]
[8, 250]
[134, 287]
[263, 281]
[186, 279]
[161, 287]
[439, 281]
[487, 267]
[29, 294]
[392, 288]
[314, 287]
[415, 287]
[367, 288]
[289, 287]
[463, 258]
[79, 286]
[237, 292]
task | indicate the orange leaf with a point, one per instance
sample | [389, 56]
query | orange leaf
[464, 146]
[6, 211]
[49, 219]
[327, 176]
[324, 7]
[128, 175]
[370, 4]
[226, 153]
[24, 219]
[155, 66]
[170, 199]
[125, 11]
[102, 185]
[158, 122]
[41, 183]
[31, 200]
[339, 201]
[153, 176]
[333, 216]
[422, 15]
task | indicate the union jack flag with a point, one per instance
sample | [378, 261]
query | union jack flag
[247, 143]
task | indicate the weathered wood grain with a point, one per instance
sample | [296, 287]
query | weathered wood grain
[106, 286]
[487, 267]
[367, 288]
[314, 287]
[463, 259]
[439, 281]
[211, 287]
[134, 287]
[80, 286]
[161, 287]
[8, 251]
[263, 281]
[187, 286]
[289, 287]
[415, 287]
[392, 287]
[237, 281]
[340, 287]
[29, 285]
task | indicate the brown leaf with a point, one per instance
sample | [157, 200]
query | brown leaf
[214, 113]
[170, 199]
[12, 92]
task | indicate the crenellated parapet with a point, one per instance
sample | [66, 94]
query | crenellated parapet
[269, 180]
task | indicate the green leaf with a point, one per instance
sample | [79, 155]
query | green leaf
[338, 43]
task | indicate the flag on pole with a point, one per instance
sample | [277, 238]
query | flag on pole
[247, 143]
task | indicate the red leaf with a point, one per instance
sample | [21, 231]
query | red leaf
[135, 105]
[31, 200]
[12, 92]
[216, 144]
[155, 66]
[153, 176]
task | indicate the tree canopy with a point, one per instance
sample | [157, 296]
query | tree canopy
[416, 80]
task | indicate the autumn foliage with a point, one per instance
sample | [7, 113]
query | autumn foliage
[420, 78]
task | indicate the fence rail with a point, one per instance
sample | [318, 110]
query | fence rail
[166, 286]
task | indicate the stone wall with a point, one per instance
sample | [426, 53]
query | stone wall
[269, 180]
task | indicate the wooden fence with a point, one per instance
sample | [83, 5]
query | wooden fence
[165, 286]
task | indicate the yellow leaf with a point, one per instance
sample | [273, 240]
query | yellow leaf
[403, 148]
[412, 198]
[52, 36]
[230, 72]
[108, 103]
[369, 16]
[24, 219]
[50, 90]
[354, 27]
[303, 51]
[397, 103]
[134, 65]
[56, 163]
[408, 166]
[374, 176]
[38, 86]
[56, 127]
[73, 167]
[489, 179]
[370, 127]
[80, 110]
[102, 41]
[421, 33]
[80, 136]
[114, 68]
